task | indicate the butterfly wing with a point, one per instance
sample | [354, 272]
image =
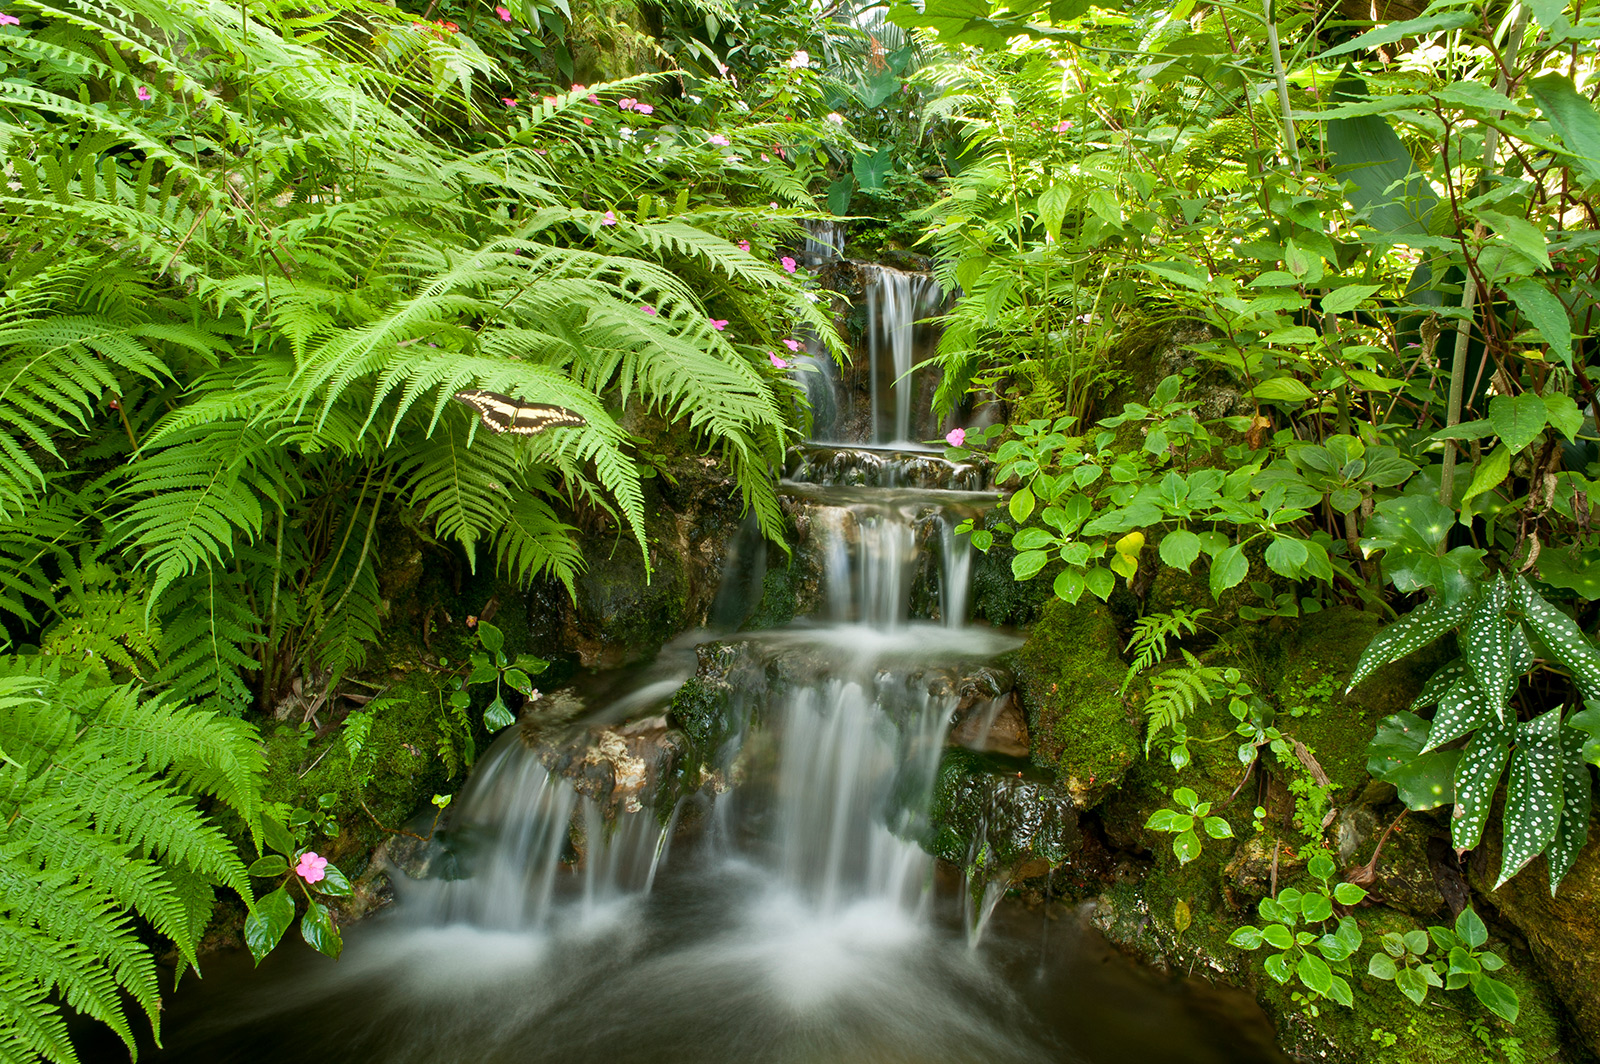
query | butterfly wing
[501, 413]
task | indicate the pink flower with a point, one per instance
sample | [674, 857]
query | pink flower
[773, 206]
[9, 20]
[787, 263]
[764, 158]
[836, 118]
[593, 98]
[772, 356]
[744, 245]
[311, 867]
[718, 139]
[579, 88]
[541, 151]
[956, 437]
[504, 13]
[792, 345]
[608, 218]
[627, 103]
[142, 92]
[648, 309]
[1061, 127]
[509, 101]
[719, 323]
[644, 108]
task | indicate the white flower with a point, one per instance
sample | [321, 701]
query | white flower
[626, 133]
[836, 118]
[799, 60]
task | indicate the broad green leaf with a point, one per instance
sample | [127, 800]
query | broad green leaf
[1286, 555]
[1462, 708]
[1577, 793]
[1348, 893]
[1547, 314]
[1381, 966]
[498, 715]
[1277, 936]
[1534, 793]
[1228, 569]
[1282, 390]
[267, 922]
[1316, 908]
[1490, 474]
[268, 866]
[1395, 31]
[1100, 582]
[1069, 585]
[1474, 95]
[1032, 539]
[1411, 983]
[1575, 118]
[839, 194]
[1315, 973]
[1470, 929]
[1412, 632]
[1477, 777]
[333, 883]
[1518, 420]
[1021, 504]
[491, 637]
[320, 932]
[1564, 415]
[1497, 997]
[1386, 181]
[1186, 846]
[1279, 965]
[1563, 636]
[870, 170]
[277, 835]
[1522, 235]
[1246, 937]
[1179, 549]
[1397, 741]
[1217, 827]
[1427, 781]
[1343, 300]
[1439, 683]
[1486, 642]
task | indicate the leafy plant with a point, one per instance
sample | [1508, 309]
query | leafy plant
[1463, 962]
[490, 665]
[1196, 814]
[1318, 962]
[315, 878]
[1148, 644]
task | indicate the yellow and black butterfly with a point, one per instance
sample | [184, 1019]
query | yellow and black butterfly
[505, 414]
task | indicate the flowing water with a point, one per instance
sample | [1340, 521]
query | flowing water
[784, 911]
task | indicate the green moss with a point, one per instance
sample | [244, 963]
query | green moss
[1068, 674]
[987, 813]
[703, 710]
[778, 600]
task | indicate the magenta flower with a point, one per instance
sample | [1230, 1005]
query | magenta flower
[719, 323]
[787, 263]
[744, 245]
[648, 309]
[772, 356]
[142, 92]
[644, 108]
[1061, 127]
[627, 103]
[792, 345]
[504, 13]
[956, 437]
[311, 867]
[608, 218]
[719, 140]
[9, 20]
[593, 98]
[509, 101]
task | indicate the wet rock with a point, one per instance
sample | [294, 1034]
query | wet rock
[704, 707]
[994, 725]
[1260, 864]
[989, 814]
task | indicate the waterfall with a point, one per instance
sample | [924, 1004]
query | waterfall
[895, 300]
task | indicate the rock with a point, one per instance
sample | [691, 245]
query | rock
[989, 817]
[1563, 932]
[994, 725]
[1068, 675]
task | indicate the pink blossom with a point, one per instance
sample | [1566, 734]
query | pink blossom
[798, 61]
[778, 363]
[142, 92]
[311, 867]
[579, 88]
[836, 118]
[772, 206]
[956, 437]
[541, 151]
[744, 245]
[504, 13]
[719, 140]
[719, 323]
[644, 108]
[787, 263]
[764, 158]
[648, 309]
[792, 345]
[593, 98]
[9, 20]
[627, 103]
[608, 218]
[549, 99]
[1061, 127]
[509, 101]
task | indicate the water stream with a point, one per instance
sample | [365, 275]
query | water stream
[784, 911]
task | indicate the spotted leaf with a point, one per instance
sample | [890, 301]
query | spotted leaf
[1477, 776]
[1534, 793]
[1573, 830]
[1412, 632]
[1461, 709]
[1563, 636]
[1486, 642]
[1440, 682]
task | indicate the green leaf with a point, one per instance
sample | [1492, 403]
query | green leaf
[1282, 390]
[1180, 548]
[1534, 793]
[498, 715]
[1497, 997]
[1395, 31]
[276, 835]
[267, 922]
[1412, 984]
[1517, 420]
[870, 170]
[1522, 235]
[1562, 636]
[1228, 569]
[491, 637]
[268, 866]
[1477, 777]
[1100, 582]
[1348, 893]
[1470, 928]
[1032, 539]
[840, 193]
[1573, 831]
[1278, 966]
[1547, 314]
[320, 932]
[333, 883]
[1486, 643]
[1426, 782]
[1286, 556]
[1381, 966]
[1021, 504]
[1316, 908]
[1412, 632]
[518, 680]
[1217, 827]
[1277, 936]
[1315, 973]
[1440, 682]
[1463, 708]
[1386, 182]
[1415, 941]
[1343, 300]
[1186, 846]
[1246, 937]
[1563, 415]
[1575, 118]
[1490, 474]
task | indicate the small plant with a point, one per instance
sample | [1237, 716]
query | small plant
[1187, 843]
[1180, 690]
[1463, 963]
[1150, 634]
[491, 664]
[1320, 962]
[313, 874]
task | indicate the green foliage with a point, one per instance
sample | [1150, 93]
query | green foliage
[1150, 634]
[99, 826]
[1461, 962]
[1318, 962]
[491, 665]
[1186, 845]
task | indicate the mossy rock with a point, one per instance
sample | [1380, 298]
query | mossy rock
[779, 601]
[1068, 675]
[1001, 598]
[987, 812]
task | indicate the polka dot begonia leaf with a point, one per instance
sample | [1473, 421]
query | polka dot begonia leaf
[1534, 793]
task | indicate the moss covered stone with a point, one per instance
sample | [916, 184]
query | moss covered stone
[1068, 675]
[987, 813]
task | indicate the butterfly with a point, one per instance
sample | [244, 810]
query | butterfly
[505, 414]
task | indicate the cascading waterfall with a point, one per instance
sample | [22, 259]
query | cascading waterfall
[895, 300]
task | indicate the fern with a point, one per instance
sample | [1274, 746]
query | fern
[1178, 691]
[98, 824]
[1150, 634]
